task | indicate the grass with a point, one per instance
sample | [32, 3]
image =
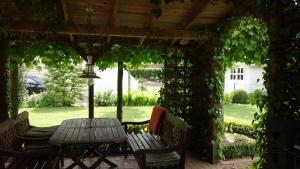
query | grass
[55, 115]
[241, 113]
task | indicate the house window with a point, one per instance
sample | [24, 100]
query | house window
[237, 74]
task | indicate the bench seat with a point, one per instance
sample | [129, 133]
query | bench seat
[166, 150]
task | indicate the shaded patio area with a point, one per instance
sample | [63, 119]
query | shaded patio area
[191, 163]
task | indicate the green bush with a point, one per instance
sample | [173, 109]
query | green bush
[139, 100]
[108, 99]
[232, 127]
[240, 97]
[45, 99]
[255, 97]
[227, 98]
[50, 99]
[105, 99]
[32, 100]
[237, 150]
[149, 74]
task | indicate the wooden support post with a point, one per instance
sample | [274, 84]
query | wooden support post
[3, 84]
[120, 91]
[14, 90]
[91, 99]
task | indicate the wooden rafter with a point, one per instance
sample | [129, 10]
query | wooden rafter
[66, 14]
[150, 21]
[113, 14]
[153, 33]
[198, 9]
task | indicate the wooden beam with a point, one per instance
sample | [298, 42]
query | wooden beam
[142, 41]
[65, 9]
[66, 15]
[198, 9]
[113, 13]
[153, 33]
[151, 16]
[108, 39]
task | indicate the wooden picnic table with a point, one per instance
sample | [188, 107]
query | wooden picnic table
[91, 133]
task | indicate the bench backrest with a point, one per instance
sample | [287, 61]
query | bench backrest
[22, 122]
[8, 135]
[174, 131]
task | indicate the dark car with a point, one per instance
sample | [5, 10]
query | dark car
[34, 84]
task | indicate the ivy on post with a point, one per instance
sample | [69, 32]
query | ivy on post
[14, 89]
[3, 84]
[206, 115]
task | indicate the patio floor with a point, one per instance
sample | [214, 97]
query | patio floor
[191, 163]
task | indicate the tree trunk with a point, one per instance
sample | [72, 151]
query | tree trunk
[14, 91]
[3, 84]
[120, 91]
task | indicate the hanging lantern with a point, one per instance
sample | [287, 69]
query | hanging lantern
[89, 69]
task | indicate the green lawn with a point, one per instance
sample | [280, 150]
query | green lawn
[54, 115]
[239, 113]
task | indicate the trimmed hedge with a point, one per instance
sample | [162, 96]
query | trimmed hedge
[232, 127]
[149, 74]
[240, 97]
[238, 150]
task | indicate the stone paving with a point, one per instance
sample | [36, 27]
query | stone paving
[191, 163]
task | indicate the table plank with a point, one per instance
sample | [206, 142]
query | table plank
[84, 131]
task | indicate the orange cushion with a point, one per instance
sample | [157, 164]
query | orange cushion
[157, 116]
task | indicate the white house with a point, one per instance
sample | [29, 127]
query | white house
[242, 76]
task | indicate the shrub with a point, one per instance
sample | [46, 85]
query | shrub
[240, 96]
[50, 99]
[32, 100]
[227, 98]
[255, 97]
[232, 127]
[149, 74]
[239, 150]
[105, 99]
[108, 99]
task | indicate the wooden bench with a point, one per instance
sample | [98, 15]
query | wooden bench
[24, 129]
[164, 150]
[14, 155]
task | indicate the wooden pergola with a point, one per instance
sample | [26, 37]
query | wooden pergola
[125, 22]
[188, 25]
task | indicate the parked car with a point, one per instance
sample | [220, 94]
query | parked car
[34, 84]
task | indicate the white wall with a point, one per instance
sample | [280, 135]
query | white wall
[109, 79]
[252, 79]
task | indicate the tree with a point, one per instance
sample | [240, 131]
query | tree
[65, 82]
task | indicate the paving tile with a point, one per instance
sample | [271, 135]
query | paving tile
[191, 163]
